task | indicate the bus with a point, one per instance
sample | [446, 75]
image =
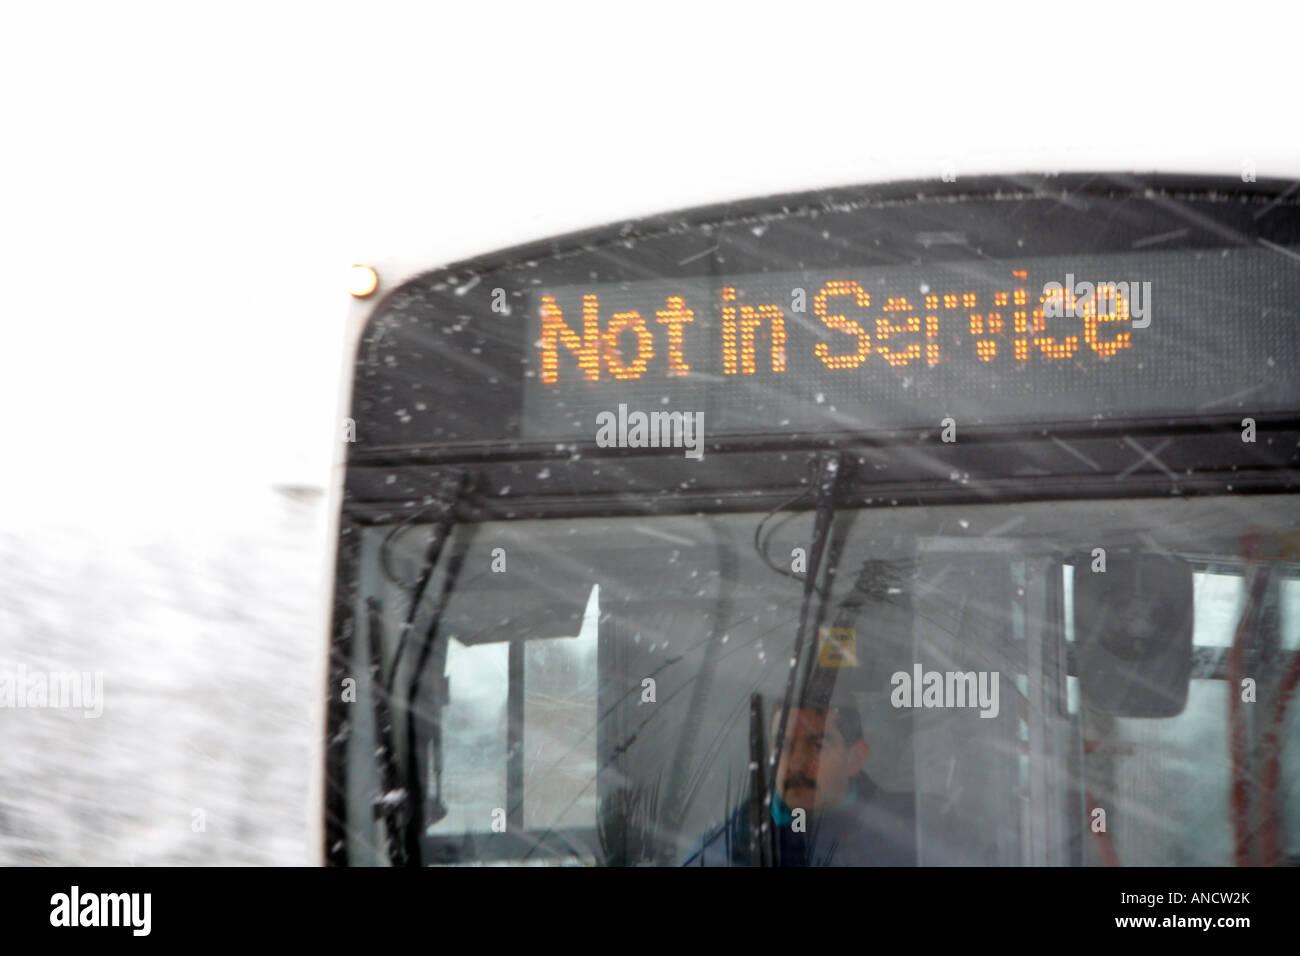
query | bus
[921, 523]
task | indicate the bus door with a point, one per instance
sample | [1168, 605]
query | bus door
[995, 747]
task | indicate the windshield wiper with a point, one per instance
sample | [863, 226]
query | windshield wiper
[402, 794]
[827, 484]
[451, 491]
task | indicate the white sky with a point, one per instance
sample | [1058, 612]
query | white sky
[182, 186]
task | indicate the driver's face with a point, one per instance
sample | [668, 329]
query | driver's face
[815, 766]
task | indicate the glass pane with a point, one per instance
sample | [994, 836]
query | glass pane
[1218, 605]
[474, 737]
[1290, 614]
[1171, 782]
[560, 726]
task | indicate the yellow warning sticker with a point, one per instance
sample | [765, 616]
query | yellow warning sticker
[837, 647]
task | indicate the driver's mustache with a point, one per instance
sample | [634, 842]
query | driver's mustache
[798, 780]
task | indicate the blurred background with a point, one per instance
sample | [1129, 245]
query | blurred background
[182, 188]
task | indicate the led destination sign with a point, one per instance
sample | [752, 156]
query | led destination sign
[1119, 336]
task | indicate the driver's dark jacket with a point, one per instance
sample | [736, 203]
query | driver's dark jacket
[872, 828]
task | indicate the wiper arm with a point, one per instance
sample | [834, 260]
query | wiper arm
[451, 490]
[828, 477]
[401, 792]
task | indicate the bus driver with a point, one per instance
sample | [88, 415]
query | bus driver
[826, 810]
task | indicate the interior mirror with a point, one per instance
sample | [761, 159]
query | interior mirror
[1133, 631]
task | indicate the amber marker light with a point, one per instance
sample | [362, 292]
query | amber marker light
[362, 280]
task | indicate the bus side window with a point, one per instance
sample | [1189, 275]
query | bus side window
[1166, 782]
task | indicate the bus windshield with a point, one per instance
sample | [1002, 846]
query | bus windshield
[601, 676]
